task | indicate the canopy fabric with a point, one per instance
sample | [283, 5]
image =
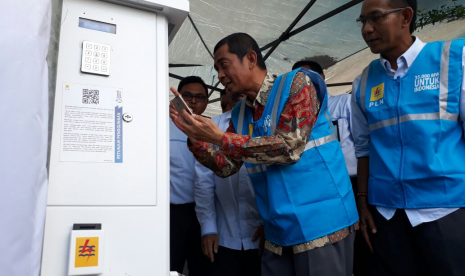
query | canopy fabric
[334, 39]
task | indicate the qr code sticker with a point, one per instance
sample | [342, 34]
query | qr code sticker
[90, 96]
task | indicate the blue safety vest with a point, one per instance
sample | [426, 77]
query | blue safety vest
[417, 149]
[311, 198]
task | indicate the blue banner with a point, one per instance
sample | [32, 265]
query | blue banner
[118, 134]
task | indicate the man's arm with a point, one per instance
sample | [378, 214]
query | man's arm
[284, 147]
[292, 132]
[204, 194]
[361, 134]
[212, 157]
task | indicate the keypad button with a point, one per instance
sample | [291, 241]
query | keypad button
[88, 53]
[96, 48]
[104, 48]
[88, 60]
[96, 54]
[104, 69]
[95, 68]
[96, 61]
[104, 55]
[104, 62]
[87, 66]
[89, 46]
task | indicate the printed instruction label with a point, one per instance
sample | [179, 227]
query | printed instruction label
[92, 128]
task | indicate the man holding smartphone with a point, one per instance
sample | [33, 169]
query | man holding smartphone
[184, 226]
[283, 135]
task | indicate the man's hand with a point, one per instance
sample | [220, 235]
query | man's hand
[366, 220]
[196, 127]
[210, 246]
[260, 233]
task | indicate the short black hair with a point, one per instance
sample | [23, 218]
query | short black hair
[404, 4]
[240, 44]
[192, 79]
[312, 64]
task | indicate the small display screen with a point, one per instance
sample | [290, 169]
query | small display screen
[97, 25]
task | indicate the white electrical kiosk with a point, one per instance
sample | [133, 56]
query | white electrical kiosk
[108, 196]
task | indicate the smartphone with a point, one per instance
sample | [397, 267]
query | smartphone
[180, 105]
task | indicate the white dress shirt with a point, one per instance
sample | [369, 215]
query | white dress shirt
[182, 168]
[226, 206]
[361, 131]
[340, 108]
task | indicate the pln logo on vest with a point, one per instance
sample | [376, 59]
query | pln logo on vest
[377, 94]
[86, 254]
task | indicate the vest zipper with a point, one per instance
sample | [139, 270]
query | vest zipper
[400, 140]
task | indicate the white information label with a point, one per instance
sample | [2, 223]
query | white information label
[92, 127]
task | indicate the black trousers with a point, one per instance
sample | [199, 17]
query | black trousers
[434, 248]
[185, 241]
[230, 262]
[363, 258]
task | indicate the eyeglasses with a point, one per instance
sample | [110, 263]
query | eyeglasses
[188, 97]
[374, 17]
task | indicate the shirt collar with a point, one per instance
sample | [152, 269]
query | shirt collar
[265, 89]
[406, 58]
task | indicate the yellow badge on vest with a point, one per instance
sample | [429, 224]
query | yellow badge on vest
[377, 92]
[250, 129]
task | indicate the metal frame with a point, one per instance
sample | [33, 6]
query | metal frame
[288, 33]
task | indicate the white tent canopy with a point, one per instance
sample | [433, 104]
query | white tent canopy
[335, 38]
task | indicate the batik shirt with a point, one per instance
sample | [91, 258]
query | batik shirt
[284, 147]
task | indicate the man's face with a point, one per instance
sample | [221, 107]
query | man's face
[228, 100]
[225, 103]
[199, 100]
[232, 73]
[385, 33]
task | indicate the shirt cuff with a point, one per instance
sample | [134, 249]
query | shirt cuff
[362, 153]
[208, 227]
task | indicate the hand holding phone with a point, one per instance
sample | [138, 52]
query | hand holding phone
[180, 105]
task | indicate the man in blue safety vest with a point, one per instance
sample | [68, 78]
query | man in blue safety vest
[283, 133]
[408, 111]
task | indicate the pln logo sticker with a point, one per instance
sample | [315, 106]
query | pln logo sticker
[377, 94]
[86, 252]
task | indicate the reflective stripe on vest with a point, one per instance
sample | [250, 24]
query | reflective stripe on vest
[443, 95]
[311, 143]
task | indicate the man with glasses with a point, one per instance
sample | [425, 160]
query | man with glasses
[408, 111]
[184, 226]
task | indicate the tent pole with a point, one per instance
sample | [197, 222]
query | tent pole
[285, 35]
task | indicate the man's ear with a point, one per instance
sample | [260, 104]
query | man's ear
[251, 59]
[407, 16]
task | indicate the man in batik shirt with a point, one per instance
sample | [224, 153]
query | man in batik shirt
[283, 134]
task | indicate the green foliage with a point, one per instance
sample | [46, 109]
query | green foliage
[443, 13]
